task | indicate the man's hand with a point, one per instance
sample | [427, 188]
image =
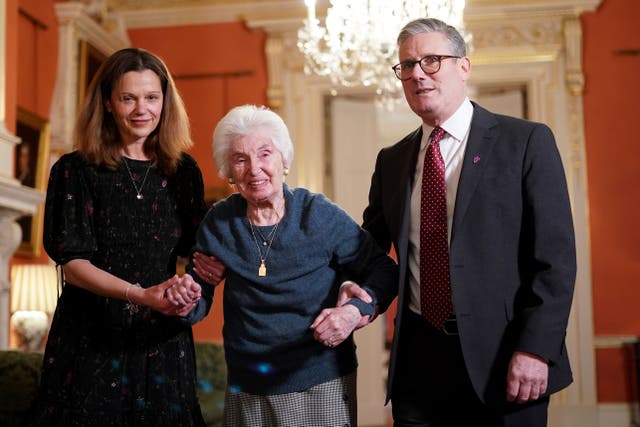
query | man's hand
[350, 290]
[527, 379]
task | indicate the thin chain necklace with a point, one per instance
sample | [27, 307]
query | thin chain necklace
[139, 195]
[265, 240]
[262, 270]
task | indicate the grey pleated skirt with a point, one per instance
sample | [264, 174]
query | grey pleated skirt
[330, 404]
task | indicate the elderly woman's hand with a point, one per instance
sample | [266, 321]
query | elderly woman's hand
[163, 297]
[334, 325]
[208, 268]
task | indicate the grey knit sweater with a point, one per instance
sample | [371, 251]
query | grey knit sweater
[268, 345]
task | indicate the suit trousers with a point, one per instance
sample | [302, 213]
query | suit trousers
[432, 388]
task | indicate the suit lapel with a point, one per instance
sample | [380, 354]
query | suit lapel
[482, 138]
[406, 159]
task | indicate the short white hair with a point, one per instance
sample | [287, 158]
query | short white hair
[245, 120]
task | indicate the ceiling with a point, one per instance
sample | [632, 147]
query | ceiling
[154, 12]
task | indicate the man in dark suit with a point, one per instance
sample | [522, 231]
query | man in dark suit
[498, 350]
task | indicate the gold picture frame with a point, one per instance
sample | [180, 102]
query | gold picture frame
[31, 161]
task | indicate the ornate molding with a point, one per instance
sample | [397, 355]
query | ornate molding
[8, 141]
[274, 51]
[573, 56]
[614, 341]
[531, 33]
[10, 235]
[19, 199]
[159, 15]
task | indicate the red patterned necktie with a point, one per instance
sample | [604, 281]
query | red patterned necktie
[435, 287]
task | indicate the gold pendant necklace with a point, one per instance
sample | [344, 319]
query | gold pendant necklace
[262, 270]
[139, 195]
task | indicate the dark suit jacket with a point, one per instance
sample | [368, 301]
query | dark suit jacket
[512, 249]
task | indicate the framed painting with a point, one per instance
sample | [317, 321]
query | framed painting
[31, 161]
[90, 60]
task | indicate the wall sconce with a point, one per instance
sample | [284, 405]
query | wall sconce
[34, 295]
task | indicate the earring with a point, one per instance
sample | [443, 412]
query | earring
[286, 171]
[232, 181]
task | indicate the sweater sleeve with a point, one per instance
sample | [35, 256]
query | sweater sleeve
[361, 259]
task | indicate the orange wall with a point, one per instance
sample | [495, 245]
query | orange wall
[11, 71]
[615, 375]
[37, 55]
[613, 147]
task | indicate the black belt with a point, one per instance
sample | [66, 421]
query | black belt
[450, 326]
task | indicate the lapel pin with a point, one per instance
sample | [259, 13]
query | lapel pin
[476, 159]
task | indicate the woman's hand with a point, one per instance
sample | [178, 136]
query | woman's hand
[334, 325]
[184, 296]
[209, 268]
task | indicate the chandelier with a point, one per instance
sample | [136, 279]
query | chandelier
[357, 45]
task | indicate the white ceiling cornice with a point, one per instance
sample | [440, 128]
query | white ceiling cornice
[510, 9]
[290, 13]
[285, 10]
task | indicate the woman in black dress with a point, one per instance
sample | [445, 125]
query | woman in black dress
[119, 210]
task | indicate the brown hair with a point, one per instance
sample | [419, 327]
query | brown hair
[96, 135]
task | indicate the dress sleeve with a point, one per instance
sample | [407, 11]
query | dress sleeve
[68, 214]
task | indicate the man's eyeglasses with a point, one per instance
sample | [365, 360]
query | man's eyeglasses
[430, 64]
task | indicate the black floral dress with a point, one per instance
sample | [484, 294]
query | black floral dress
[103, 364]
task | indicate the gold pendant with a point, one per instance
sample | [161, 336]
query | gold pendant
[262, 271]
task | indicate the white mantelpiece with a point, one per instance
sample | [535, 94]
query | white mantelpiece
[15, 200]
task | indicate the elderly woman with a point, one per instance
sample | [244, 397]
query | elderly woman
[289, 349]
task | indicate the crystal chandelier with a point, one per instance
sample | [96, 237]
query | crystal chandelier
[357, 45]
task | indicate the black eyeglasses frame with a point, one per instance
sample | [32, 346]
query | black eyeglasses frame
[397, 70]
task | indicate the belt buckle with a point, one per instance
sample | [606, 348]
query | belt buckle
[450, 326]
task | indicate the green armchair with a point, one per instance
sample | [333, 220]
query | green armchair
[212, 380]
[19, 380]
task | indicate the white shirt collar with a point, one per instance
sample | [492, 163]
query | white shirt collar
[457, 126]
